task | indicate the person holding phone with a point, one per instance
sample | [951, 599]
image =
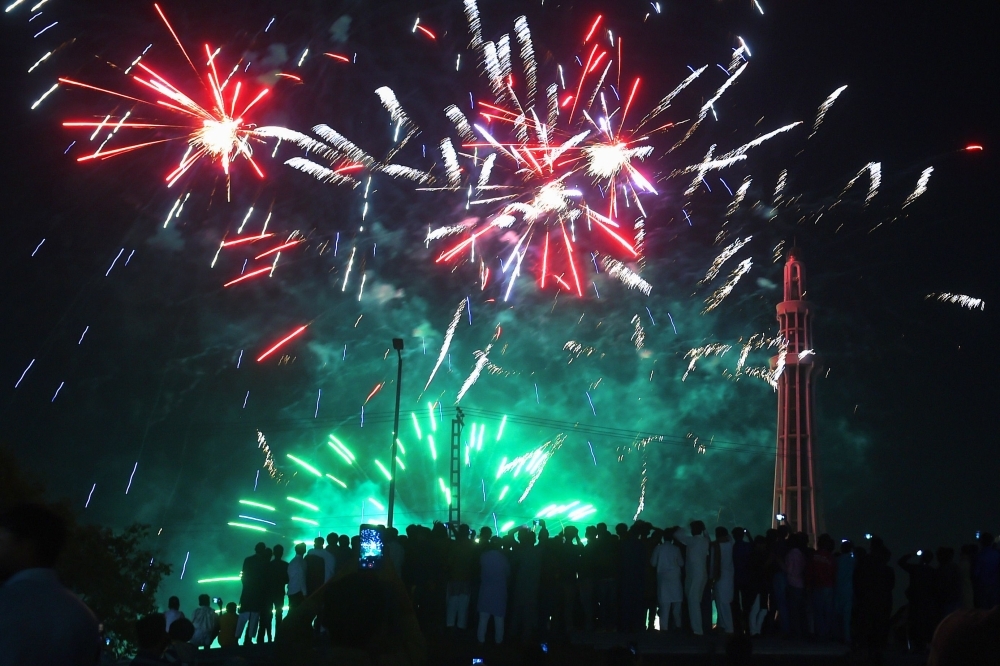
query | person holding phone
[372, 548]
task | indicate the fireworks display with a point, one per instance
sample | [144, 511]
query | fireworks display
[218, 129]
[417, 168]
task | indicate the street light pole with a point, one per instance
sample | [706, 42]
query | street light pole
[397, 344]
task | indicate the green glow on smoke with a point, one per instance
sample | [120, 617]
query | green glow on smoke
[340, 453]
[341, 449]
[302, 503]
[257, 528]
[515, 447]
[305, 520]
[337, 481]
[506, 526]
[304, 464]
[445, 489]
[223, 579]
[257, 504]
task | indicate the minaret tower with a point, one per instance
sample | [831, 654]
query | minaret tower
[795, 480]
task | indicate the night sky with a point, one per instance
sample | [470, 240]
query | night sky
[907, 432]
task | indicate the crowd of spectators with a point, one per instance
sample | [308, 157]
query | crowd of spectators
[526, 586]
[530, 585]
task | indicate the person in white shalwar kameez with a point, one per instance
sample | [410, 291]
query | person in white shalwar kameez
[696, 571]
[722, 575]
[669, 591]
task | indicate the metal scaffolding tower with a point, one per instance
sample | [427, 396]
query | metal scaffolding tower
[455, 470]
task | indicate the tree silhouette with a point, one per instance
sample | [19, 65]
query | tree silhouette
[115, 573]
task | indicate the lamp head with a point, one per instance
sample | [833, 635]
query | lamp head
[397, 344]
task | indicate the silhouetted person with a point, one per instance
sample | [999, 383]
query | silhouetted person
[180, 650]
[873, 591]
[332, 539]
[722, 578]
[632, 560]
[921, 596]
[606, 576]
[967, 637]
[316, 575]
[949, 583]
[824, 568]
[494, 571]
[569, 552]
[254, 596]
[394, 551]
[297, 588]
[549, 585]
[588, 563]
[966, 565]
[843, 596]
[369, 618]
[986, 573]
[527, 571]
[227, 626]
[696, 571]
[345, 557]
[743, 600]
[458, 589]
[151, 639]
[669, 565]
[266, 613]
[41, 622]
[173, 611]
[795, 572]
[277, 578]
[206, 623]
[778, 548]
[758, 585]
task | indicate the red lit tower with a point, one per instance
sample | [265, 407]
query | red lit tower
[795, 480]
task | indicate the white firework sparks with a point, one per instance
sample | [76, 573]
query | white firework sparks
[482, 358]
[738, 198]
[608, 160]
[628, 277]
[925, 177]
[714, 349]
[451, 167]
[448, 336]
[960, 299]
[824, 107]
[725, 256]
[874, 171]
[720, 294]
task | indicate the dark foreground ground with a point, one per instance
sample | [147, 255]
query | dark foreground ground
[611, 649]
